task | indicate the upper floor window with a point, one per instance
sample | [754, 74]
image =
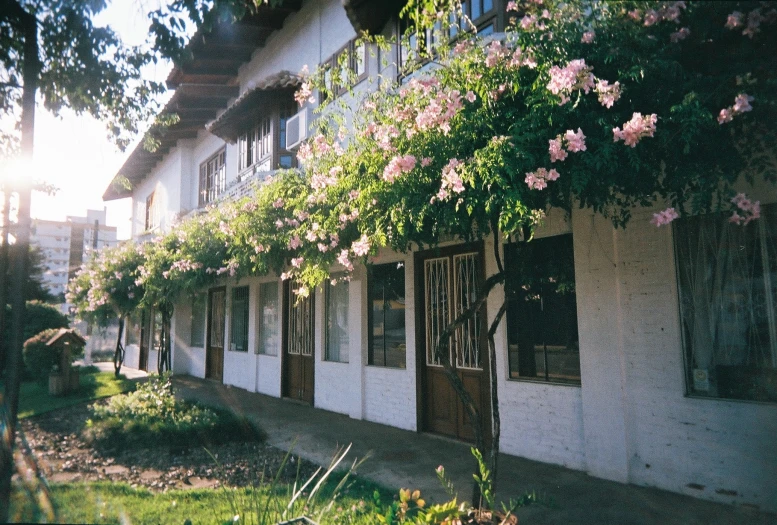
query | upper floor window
[346, 68]
[263, 147]
[727, 281]
[152, 213]
[213, 177]
[542, 338]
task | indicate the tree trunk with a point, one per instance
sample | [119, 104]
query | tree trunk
[10, 407]
[4, 264]
[118, 356]
[442, 354]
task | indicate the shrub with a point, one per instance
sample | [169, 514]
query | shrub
[151, 415]
[39, 358]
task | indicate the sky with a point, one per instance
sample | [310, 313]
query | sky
[73, 152]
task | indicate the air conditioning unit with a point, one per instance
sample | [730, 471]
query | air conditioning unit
[297, 128]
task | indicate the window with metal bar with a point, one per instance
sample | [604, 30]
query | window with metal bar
[386, 297]
[238, 333]
[727, 281]
[542, 338]
[336, 348]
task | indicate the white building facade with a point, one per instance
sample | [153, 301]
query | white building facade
[622, 381]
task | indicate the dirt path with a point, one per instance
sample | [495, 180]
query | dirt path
[64, 456]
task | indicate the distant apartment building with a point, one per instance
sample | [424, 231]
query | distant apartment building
[66, 244]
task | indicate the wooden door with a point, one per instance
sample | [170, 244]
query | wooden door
[448, 281]
[298, 343]
[214, 355]
[145, 335]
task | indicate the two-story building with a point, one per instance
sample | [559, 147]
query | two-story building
[658, 366]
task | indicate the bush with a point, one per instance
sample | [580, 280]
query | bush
[151, 415]
[40, 359]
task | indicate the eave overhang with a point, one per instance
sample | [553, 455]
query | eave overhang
[369, 16]
[242, 113]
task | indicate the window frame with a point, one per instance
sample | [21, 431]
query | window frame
[151, 221]
[547, 379]
[260, 326]
[689, 372]
[263, 139]
[342, 353]
[336, 62]
[214, 182]
[198, 298]
[245, 291]
[371, 350]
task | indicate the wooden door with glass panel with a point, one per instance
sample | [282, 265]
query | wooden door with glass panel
[298, 341]
[449, 280]
[214, 355]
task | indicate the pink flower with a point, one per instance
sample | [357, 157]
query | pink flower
[682, 34]
[751, 210]
[608, 94]
[588, 37]
[295, 242]
[451, 180]
[664, 217]
[361, 247]
[636, 129]
[345, 260]
[285, 276]
[725, 115]
[575, 141]
[304, 94]
[742, 103]
[556, 150]
[734, 20]
[322, 247]
[297, 262]
[528, 21]
[496, 52]
[425, 162]
[537, 180]
[574, 76]
[511, 6]
[279, 224]
[397, 166]
[278, 203]
[470, 96]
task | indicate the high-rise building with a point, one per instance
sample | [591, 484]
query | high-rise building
[66, 244]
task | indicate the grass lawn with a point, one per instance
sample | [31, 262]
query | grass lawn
[34, 396]
[120, 503]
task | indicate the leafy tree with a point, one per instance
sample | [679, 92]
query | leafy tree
[107, 288]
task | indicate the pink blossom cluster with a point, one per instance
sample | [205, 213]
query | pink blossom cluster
[296, 262]
[397, 166]
[575, 142]
[750, 210]
[588, 37]
[511, 6]
[304, 93]
[496, 52]
[608, 93]
[231, 267]
[682, 34]
[636, 129]
[451, 180]
[319, 181]
[278, 203]
[361, 247]
[344, 259]
[741, 105]
[664, 217]
[538, 180]
[754, 20]
[574, 76]
[669, 12]
[185, 265]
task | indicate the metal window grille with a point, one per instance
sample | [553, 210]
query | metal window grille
[467, 336]
[436, 296]
[300, 335]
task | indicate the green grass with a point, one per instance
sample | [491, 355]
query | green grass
[119, 503]
[34, 396]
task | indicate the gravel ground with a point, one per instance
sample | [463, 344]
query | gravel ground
[63, 456]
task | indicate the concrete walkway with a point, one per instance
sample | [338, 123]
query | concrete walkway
[129, 373]
[398, 458]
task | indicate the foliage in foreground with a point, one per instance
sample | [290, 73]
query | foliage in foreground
[151, 415]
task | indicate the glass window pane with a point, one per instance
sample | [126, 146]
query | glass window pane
[133, 329]
[360, 59]
[156, 331]
[337, 322]
[269, 319]
[727, 280]
[198, 320]
[238, 340]
[387, 336]
[542, 338]
[488, 5]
